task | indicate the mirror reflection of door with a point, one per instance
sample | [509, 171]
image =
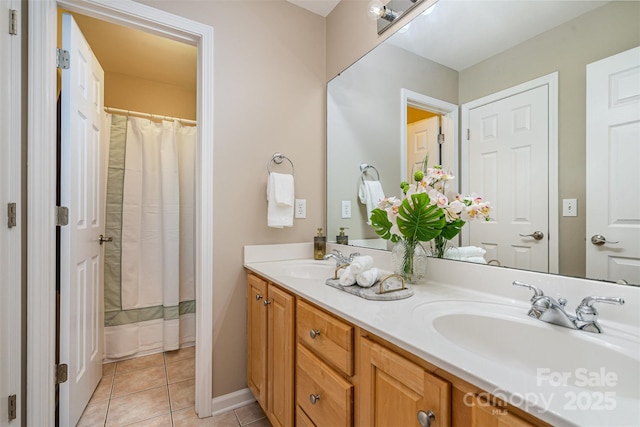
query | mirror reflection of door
[613, 176]
[508, 145]
[422, 140]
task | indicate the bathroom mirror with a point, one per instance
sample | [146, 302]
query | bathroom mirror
[457, 53]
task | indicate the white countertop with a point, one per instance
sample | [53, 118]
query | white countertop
[537, 390]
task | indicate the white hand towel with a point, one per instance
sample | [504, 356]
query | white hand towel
[361, 264]
[371, 194]
[464, 252]
[280, 196]
[366, 279]
[347, 278]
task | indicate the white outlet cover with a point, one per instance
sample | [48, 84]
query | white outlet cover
[301, 208]
[346, 209]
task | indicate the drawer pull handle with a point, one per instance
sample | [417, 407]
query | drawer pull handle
[314, 333]
[266, 302]
[258, 297]
[314, 398]
[425, 418]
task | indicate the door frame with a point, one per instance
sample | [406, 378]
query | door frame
[41, 172]
[550, 80]
[409, 98]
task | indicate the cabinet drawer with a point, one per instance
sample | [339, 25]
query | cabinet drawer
[328, 337]
[302, 420]
[325, 397]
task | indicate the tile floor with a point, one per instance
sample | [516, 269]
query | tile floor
[157, 391]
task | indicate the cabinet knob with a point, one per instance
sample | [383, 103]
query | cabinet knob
[314, 398]
[425, 418]
[258, 297]
[266, 302]
[314, 333]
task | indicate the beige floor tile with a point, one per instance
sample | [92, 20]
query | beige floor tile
[94, 414]
[188, 418]
[183, 353]
[182, 394]
[260, 423]
[138, 407]
[161, 421]
[108, 368]
[140, 362]
[249, 413]
[181, 370]
[103, 391]
[138, 380]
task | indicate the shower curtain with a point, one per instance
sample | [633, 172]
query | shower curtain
[149, 279]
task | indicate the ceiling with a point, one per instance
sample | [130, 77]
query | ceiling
[319, 7]
[480, 29]
[136, 53]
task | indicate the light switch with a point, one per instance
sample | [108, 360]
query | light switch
[569, 207]
[346, 209]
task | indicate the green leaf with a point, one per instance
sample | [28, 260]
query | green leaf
[452, 229]
[419, 220]
[381, 224]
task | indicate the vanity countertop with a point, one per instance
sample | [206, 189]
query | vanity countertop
[555, 395]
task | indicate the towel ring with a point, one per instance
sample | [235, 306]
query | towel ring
[277, 158]
[364, 167]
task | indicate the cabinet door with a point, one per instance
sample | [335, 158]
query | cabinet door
[393, 390]
[281, 310]
[257, 339]
[487, 415]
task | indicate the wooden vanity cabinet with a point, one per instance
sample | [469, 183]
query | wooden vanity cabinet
[393, 390]
[271, 347]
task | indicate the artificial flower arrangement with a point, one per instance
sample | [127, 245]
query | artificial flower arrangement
[426, 214]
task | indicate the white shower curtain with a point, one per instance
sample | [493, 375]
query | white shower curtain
[150, 267]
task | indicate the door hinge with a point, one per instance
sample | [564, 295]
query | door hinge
[12, 219]
[13, 22]
[12, 408]
[62, 216]
[441, 138]
[468, 134]
[62, 373]
[62, 59]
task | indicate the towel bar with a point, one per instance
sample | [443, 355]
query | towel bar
[364, 167]
[277, 158]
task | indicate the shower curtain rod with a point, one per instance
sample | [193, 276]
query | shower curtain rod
[148, 115]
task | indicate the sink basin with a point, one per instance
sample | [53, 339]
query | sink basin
[506, 335]
[309, 269]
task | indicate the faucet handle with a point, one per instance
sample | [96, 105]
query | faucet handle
[537, 292]
[352, 255]
[587, 312]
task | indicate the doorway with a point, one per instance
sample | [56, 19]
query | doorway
[41, 190]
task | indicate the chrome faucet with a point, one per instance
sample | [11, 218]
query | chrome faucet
[340, 258]
[549, 310]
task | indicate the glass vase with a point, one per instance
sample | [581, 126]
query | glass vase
[439, 246]
[409, 259]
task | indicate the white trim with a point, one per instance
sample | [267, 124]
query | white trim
[41, 189]
[550, 80]
[424, 102]
[11, 238]
[232, 401]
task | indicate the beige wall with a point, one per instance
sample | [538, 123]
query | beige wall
[593, 36]
[147, 96]
[269, 65]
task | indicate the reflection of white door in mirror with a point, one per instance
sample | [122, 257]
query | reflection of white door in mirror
[613, 173]
[508, 147]
[422, 140]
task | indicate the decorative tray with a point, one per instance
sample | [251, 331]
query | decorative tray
[390, 288]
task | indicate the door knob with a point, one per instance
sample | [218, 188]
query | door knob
[426, 418]
[599, 240]
[102, 239]
[538, 235]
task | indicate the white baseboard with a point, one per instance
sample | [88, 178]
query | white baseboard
[231, 401]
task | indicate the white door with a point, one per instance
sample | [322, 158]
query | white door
[613, 167]
[10, 235]
[508, 166]
[81, 263]
[422, 139]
